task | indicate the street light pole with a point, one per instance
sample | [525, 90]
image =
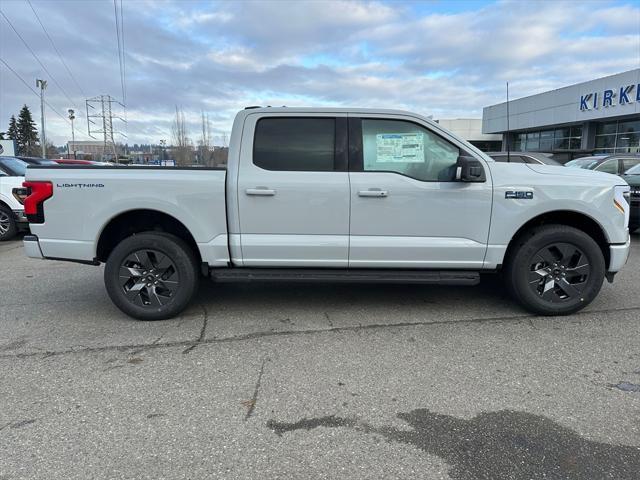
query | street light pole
[72, 117]
[163, 144]
[42, 84]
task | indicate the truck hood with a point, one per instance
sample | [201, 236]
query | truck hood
[595, 177]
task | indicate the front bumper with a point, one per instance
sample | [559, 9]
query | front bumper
[32, 247]
[618, 255]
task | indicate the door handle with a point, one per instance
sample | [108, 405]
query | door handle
[373, 192]
[261, 191]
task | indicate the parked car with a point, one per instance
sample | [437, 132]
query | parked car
[12, 195]
[334, 195]
[38, 161]
[617, 164]
[538, 158]
[78, 161]
[632, 176]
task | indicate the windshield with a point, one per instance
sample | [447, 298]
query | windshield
[13, 166]
[635, 170]
[588, 163]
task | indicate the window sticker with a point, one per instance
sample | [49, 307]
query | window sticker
[400, 147]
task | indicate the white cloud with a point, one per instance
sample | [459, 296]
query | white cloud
[222, 57]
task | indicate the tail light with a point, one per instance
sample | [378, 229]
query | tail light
[38, 192]
[20, 194]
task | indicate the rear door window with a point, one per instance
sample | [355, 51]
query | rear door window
[295, 144]
[628, 163]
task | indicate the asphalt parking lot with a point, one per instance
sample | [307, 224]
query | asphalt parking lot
[314, 381]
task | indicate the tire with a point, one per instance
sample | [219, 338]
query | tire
[555, 270]
[8, 227]
[151, 276]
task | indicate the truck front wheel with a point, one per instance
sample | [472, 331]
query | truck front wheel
[555, 270]
[151, 276]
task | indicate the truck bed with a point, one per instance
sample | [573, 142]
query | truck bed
[87, 198]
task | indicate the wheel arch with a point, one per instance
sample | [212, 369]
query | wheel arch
[570, 218]
[135, 221]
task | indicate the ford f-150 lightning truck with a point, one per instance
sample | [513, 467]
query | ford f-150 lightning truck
[334, 195]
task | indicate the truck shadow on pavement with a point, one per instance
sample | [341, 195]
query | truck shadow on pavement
[497, 445]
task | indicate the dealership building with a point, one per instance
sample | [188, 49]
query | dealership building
[598, 116]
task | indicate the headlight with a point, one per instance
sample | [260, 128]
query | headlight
[621, 200]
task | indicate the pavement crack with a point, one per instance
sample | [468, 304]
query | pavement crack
[203, 330]
[326, 315]
[191, 344]
[251, 404]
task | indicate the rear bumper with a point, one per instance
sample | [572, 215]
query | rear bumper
[618, 255]
[32, 246]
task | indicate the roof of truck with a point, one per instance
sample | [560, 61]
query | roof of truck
[285, 109]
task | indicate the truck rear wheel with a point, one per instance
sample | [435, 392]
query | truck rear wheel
[151, 276]
[8, 227]
[555, 270]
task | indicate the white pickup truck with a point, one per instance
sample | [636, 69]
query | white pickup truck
[12, 218]
[334, 195]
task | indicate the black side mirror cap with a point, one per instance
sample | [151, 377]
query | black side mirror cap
[469, 169]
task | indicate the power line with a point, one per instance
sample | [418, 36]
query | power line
[124, 57]
[56, 49]
[38, 59]
[34, 92]
[115, 11]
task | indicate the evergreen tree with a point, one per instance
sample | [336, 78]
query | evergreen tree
[28, 143]
[12, 133]
[1, 135]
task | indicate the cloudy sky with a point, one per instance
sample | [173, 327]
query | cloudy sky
[442, 58]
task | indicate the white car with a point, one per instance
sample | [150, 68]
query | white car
[12, 195]
[335, 195]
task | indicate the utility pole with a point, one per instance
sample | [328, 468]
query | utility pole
[104, 116]
[42, 84]
[72, 117]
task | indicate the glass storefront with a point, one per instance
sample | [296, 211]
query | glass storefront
[567, 138]
[618, 137]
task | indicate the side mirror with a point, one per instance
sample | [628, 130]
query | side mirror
[469, 169]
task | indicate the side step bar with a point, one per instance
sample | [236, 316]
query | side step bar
[432, 277]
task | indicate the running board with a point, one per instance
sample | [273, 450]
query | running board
[433, 277]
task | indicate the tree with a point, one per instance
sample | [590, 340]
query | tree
[27, 136]
[52, 151]
[181, 140]
[12, 133]
[205, 150]
[1, 135]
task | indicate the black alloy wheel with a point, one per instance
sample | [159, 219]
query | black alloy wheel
[149, 278]
[554, 269]
[152, 275]
[559, 272]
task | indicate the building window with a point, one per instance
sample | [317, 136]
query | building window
[567, 138]
[618, 137]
